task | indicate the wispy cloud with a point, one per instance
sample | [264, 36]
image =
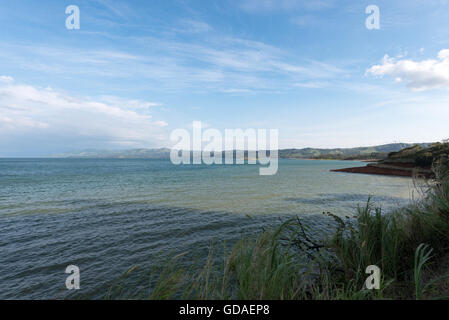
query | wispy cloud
[119, 9]
[264, 6]
[312, 85]
[6, 79]
[211, 64]
[236, 90]
[193, 26]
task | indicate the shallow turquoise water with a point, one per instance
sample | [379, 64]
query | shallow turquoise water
[108, 215]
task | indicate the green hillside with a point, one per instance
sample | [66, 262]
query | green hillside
[420, 156]
[374, 152]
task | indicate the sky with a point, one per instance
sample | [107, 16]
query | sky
[137, 70]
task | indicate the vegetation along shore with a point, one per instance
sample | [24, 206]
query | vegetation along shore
[408, 162]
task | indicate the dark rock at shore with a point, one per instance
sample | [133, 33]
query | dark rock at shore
[401, 172]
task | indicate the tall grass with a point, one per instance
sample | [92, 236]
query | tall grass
[263, 269]
[422, 255]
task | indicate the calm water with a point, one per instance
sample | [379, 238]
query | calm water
[106, 216]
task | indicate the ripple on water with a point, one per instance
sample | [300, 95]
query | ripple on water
[107, 216]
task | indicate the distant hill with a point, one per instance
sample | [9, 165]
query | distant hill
[162, 153]
[374, 152]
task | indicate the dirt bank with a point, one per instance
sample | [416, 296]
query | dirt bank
[401, 170]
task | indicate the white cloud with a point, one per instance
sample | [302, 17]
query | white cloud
[236, 90]
[128, 104]
[29, 113]
[312, 85]
[421, 75]
[23, 122]
[6, 79]
[120, 9]
[161, 123]
[261, 6]
[193, 26]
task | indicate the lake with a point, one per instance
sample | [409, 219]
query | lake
[107, 215]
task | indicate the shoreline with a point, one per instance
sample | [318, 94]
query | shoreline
[397, 170]
[376, 171]
[346, 160]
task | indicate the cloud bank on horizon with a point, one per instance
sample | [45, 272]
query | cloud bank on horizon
[51, 117]
[135, 71]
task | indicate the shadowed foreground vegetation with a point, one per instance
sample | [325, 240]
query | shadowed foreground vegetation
[410, 246]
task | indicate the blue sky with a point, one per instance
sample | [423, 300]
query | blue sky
[136, 70]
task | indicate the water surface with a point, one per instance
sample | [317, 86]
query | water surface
[107, 215]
